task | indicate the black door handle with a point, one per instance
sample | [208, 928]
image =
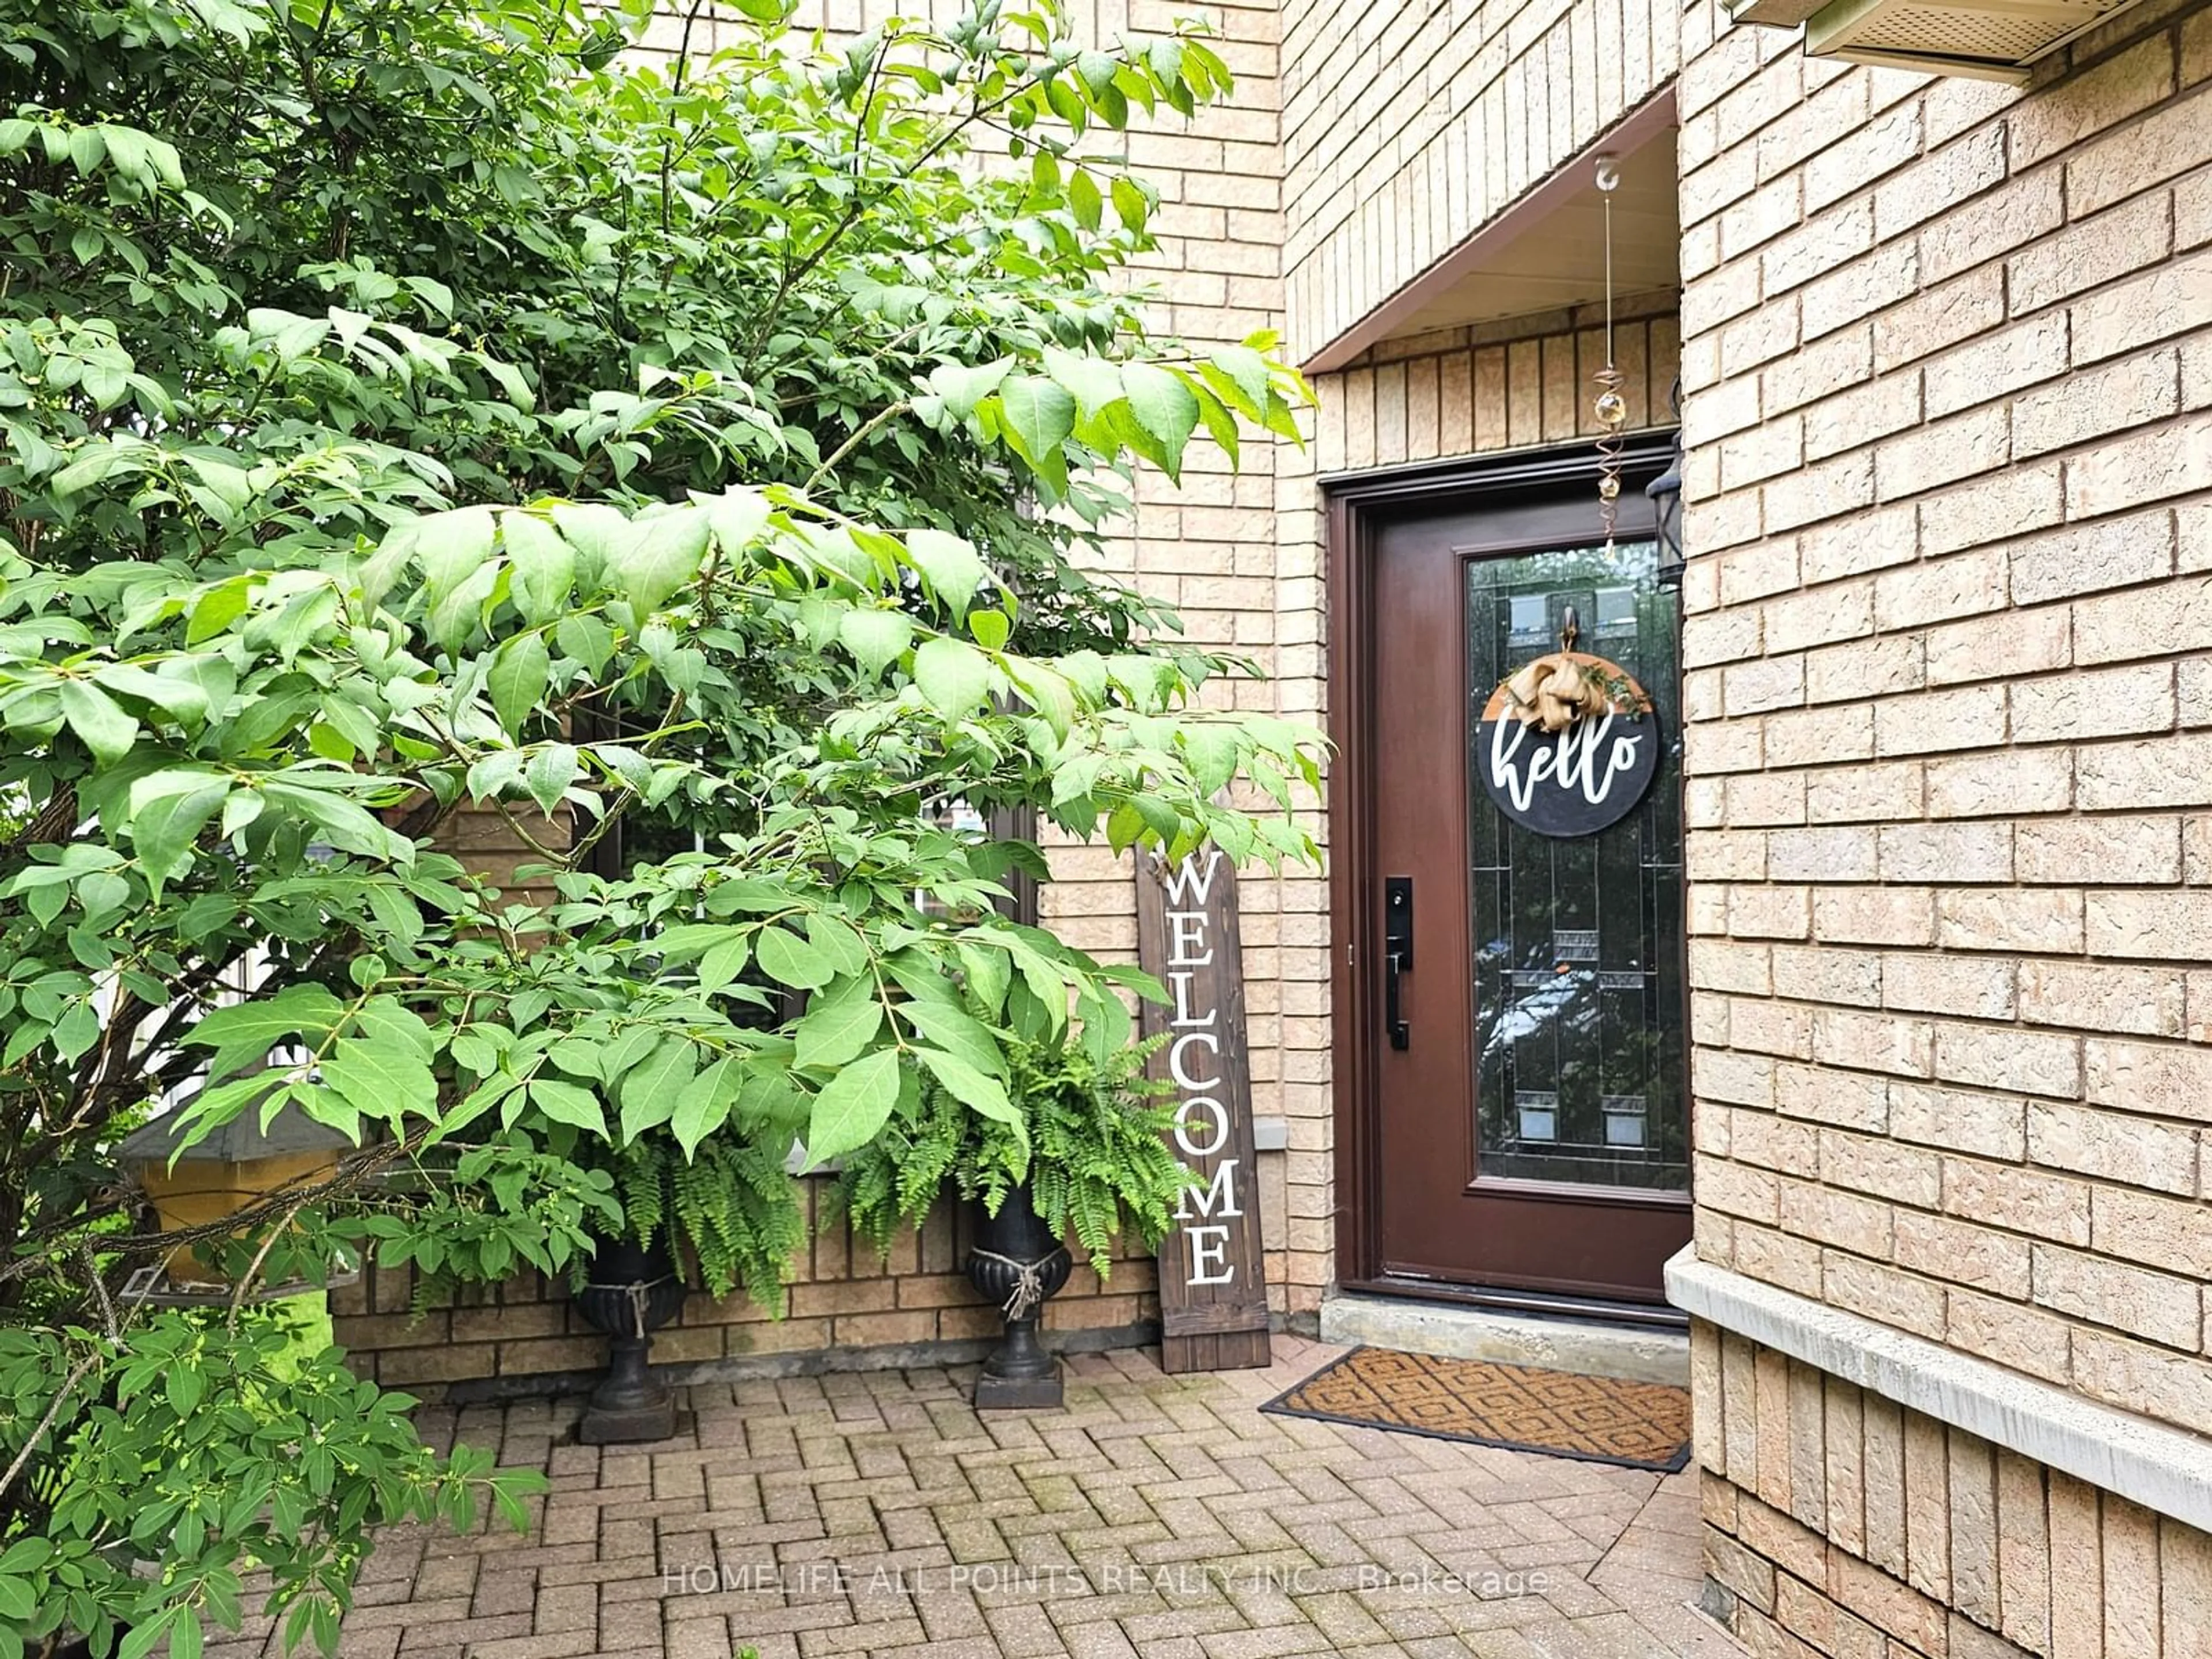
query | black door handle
[1397, 954]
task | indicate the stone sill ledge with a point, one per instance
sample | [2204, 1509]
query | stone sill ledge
[2165, 1469]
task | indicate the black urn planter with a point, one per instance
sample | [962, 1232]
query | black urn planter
[1017, 1262]
[633, 1292]
[68, 1645]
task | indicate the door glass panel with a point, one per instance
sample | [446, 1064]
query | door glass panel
[1578, 995]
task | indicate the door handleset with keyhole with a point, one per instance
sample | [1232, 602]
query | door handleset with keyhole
[1397, 954]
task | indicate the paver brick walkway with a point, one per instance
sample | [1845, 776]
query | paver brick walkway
[1163, 1517]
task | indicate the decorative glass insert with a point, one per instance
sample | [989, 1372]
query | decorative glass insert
[1538, 1115]
[1578, 980]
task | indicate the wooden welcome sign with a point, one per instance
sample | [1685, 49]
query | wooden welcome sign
[1213, 1292]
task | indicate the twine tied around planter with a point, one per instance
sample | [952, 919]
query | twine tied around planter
[636, 1290]
[1028, 1285]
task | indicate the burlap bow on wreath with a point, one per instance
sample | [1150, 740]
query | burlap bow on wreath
[1555, 691]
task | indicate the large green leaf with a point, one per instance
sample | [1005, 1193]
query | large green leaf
[876, 638]
[452, 548]
[381, 1079]
[722, 963]
[960, 1033]
[345, 824]
[648, 1088]
[565, 1102]
[837, 1026]
[96, 466]
[952, 567]
[549, 772]
[1211, 748]
[164, 829]
[790, 960]
[840, 945]
[596, 533]
[1164, 407]
[1247, 371]
[1040, 414]
[854, 1105]
[102, 724]
[544, 563]
[184, 698]
[702, 1106]
[521, 670]
[963, 388]
[973, 1089]
[1095, 383]
[243, 1032]
[662, 552]
[953, 675]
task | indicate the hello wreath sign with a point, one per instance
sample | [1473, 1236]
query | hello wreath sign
[1568, 744]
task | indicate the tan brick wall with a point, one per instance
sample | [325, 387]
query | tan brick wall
[1839, 1523]
[1408, 128]
[846, 1305]
[1509, 385]
[497, 846]
[1947, 359]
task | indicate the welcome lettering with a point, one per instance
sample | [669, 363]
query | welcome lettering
[1213, 1298]
[1201, 1121]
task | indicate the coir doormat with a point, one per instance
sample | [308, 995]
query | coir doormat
[1601, 1419]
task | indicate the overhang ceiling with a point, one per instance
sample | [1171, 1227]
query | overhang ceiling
[1558, 260]
[1548, 250]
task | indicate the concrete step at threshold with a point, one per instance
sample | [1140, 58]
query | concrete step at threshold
[1455, 1331]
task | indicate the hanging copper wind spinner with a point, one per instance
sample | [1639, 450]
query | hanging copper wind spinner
[1611, 408]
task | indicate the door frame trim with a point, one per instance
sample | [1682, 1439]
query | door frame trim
[1353, 504]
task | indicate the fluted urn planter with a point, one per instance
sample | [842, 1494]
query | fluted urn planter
[1017, 1263]
[633, 1292]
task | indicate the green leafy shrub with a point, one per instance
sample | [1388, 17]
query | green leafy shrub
[211, 1446]
[1086, 1134]
[728, 1207]
[412, 415]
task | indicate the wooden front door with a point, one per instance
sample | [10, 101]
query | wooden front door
[1520, 1085]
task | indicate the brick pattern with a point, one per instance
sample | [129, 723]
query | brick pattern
[1163, 1516]
[845, 1301]
[495, 846]
[1495, 385]
[1408, 128]
[1947, 359]
[1839, 1524]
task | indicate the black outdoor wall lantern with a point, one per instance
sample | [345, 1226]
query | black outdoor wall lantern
[1665, 492]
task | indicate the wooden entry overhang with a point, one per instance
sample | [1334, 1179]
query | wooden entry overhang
[1356, 504]
[1543, 250]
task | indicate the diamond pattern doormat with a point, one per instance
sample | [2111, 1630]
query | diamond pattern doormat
[1601, 1419]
